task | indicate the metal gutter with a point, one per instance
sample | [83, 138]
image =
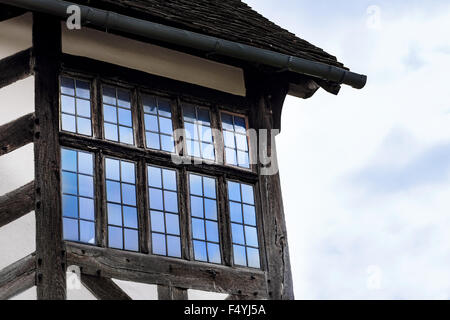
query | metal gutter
[208, 44]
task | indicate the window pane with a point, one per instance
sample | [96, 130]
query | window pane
[85, 163]
[149, 103]
[86, 186]
[123, 98]
[243, 160]
[126, 135]
[239, 124]
[206, 134]
[209, 186]
[115, 238]
[84, 126]
[173, 246]
[189, 113]
[67, 86]
[112, 169]
[125, 117]
[247, 194]
[128, 194]
[110, 113]
[229, 139]
[131, 240]
[113, 191]
[68, 123]
[234, 192]
[68, 104]
[164, 108]
[212, 233]
[154, 177]
[157, 221]
[200, 251]
[170, 180]
[83, 89]
[172, 224]
[239, 255]
[130, 218]
[253, 258]
[241, 142]
[235, 212]
[165, 125]
[69, 160]
[227, 122]
[109, 95]
[151, 123]
[128, 173]
[70, 227]
[203, 116]
[84, 108]
[87, 209]
[69, 183]
[251, 237]
[70, 206]
[87, 232]
[197, 206]
[249, 215]
[237, 232]
[210, 209]
[152, 140]
[114, 214]
[159, 244]
[214, 253]
[230, 155]
[111, 132]
[167, 143]
[156, 199]
[170, 201]
[198, 229]
[195, 183]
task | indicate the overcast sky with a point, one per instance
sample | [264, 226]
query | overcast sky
[365, 175]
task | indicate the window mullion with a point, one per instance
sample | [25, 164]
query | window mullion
[185, 226]
[216, 126]
[143, 207]
[224, 221]
[137, 113]
[100, 201]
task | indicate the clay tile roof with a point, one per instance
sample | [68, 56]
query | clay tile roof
[227, 19]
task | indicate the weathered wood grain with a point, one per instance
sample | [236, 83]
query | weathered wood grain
[16, 134]
[15, 67]
[103, 288]
[16, 204]
[171, 293]
[130, 266]
[18, 277]
[51, 268]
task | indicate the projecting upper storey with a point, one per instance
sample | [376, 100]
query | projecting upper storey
[232, 20]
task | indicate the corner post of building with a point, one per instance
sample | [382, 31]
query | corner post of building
[266, 94]
[50, 253]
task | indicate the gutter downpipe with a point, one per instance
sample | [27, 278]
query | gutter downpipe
[111, 20]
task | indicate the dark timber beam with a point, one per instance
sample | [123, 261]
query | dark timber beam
[16, 204]
[15, 67]
[51, 268]
[171, 293]
[16, 134]
[17, 277]
[130, 266]
[9, 12]
[103, 288]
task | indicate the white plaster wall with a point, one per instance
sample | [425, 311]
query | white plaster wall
[153, 59]
[17, 168]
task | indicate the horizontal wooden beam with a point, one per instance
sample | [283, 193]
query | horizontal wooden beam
[9, 12]
[18, 277]
[16, 204]
[144, 268]
[103, 288]
[155, 157]
[16, 134]
[16, 67]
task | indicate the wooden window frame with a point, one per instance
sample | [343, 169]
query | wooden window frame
[99, 73]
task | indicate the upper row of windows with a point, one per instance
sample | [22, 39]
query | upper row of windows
[118, 124]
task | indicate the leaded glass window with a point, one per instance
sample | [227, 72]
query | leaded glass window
[235, 140]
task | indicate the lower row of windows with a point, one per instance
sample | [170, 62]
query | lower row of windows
[78, 209]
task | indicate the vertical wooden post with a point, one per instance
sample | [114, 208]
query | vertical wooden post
[171, 293]
[268, 97]
[50, 254]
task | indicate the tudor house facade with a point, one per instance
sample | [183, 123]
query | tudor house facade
[148, 155]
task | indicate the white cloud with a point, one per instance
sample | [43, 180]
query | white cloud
[337, 153]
